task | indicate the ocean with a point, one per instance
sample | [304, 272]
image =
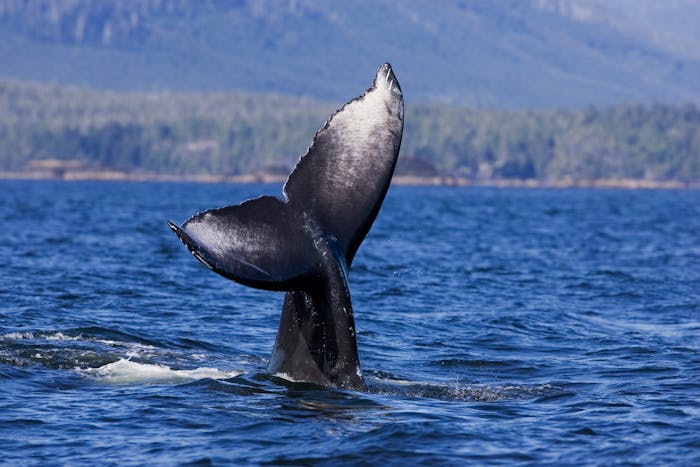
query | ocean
[495, 326]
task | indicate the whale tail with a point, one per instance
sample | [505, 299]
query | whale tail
[250, 243]
[305, 243]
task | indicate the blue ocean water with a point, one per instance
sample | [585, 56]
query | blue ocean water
[495, 326]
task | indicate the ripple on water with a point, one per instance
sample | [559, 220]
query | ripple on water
[95, 353]
[495, 326]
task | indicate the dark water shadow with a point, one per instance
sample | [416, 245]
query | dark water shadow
[386, 384]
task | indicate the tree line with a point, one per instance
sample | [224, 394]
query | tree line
[228, 134]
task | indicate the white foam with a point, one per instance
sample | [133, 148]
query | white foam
[113, 343]
[59, 336]
[18, 335]
[53, 336]
[127, 372]
[286, 377]
[398, 382]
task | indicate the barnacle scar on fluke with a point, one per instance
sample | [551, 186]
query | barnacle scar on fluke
[304, 244]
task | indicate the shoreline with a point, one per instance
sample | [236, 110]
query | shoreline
[401, 180]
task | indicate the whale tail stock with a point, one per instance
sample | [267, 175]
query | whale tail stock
[305, 243]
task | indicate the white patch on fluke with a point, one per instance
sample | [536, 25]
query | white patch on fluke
[362, 136]
[127, 372]
[209, 233]
[360, 119]
[218, 240]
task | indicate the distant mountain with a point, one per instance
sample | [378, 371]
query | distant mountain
[504, 54]
[669, 24]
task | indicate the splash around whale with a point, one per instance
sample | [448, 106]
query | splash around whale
[304, 244]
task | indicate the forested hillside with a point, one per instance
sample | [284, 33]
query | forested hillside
[225, 134]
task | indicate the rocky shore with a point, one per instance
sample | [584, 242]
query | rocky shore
[79, 174]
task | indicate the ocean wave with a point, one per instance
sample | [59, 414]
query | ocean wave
[125, 371]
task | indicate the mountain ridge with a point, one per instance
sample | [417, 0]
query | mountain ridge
[506, 54]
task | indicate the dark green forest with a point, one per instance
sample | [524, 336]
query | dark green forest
[227, 134]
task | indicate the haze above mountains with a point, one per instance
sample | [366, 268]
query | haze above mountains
[500, 54]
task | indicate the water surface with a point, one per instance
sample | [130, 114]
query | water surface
[501, 326]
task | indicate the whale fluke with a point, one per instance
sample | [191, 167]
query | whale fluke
[305, 243]
[249, 243]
